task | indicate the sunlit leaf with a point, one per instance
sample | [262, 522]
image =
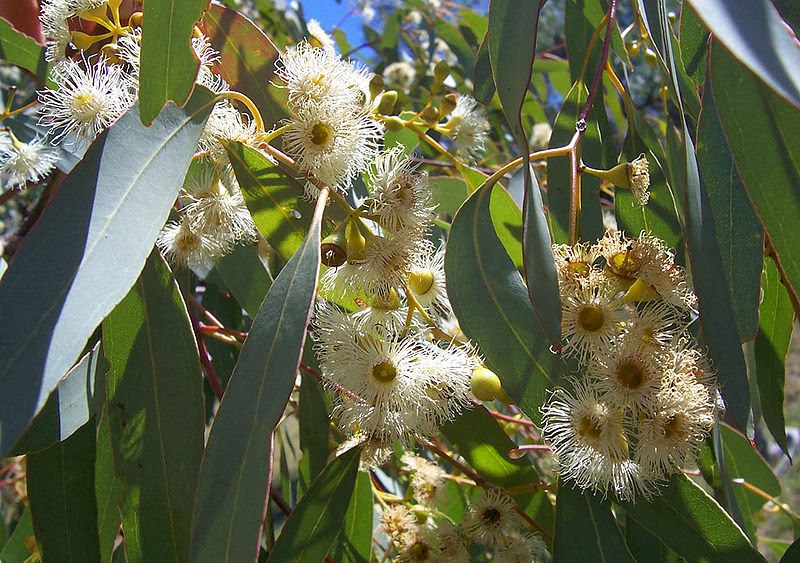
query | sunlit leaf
[105, 216]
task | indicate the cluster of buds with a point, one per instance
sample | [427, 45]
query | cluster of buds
[646, 398]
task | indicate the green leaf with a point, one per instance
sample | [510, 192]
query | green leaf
[743, 462]
[109, 490]
[274, 198]
[540, 268]
[760, 128]
[246, 59]
[483, 82]
[692, 524]
[644, 546]
[316, 521]
[716, 311]
[245, 277]
[492, 304]
[455, 40]
[16, 548]
[87, 250]
[447, 194]
[755, 34]
[18, 49]
[585, 528]
[405, 137]
[792, 554]
[68, 407]
[61, 493]
[693, 45]
[168, 62]
[234, 475]
[480, 440]
[314, 427]
[738, 231]
[775, 326]
[355, 540]
[156, 414]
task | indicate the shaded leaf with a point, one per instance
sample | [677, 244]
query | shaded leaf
[274, 198]
[492, 304]
[692, 524]
[480, 440]
[585, 528]
[61, 492]
[168, 62]
[693, 45]
[738, 231]
[109, 490]
[245, 277]
[316, 521]
[156, 414]
[234, 475]
[755, 34]
[314, 428]
[246, 59]
[355, 540]
[105, 217]
[17, 546]
[775, 326]
[447, 194]
[483, 87]
[760, 128]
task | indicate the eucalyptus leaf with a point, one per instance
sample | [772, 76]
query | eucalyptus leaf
[103, 221]
[234, 475]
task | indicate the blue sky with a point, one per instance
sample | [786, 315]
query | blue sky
[330, 14]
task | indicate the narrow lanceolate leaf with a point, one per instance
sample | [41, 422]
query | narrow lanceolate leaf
[485, 446]
[156, 414]
[68, 408]
[540, 268]
[317, 520]
[20, 50]
[482, 73]
[246, 59]
[761, 131]
[492, 304]
[87, 250]
[234, 475]
[513, 26]
[168, 62]
[22, 542]
[757, 36]
[775, 325]
[109, 490]
[692, 524]
[245, 276]
[744, 464]
[716, 311]
[61, 492]
[586, 529]
[355, 540]
[739, 233]
[274, 198]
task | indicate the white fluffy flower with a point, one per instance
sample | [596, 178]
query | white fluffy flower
[401, 73]
[55, 16]
[468, 127]
[332, 144]
[182, 246]
[25, 162]
[89, 97]
[228, 124]
[318, 38]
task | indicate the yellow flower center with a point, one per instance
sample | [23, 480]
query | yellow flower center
[630, 374]
[320, 134]
[591, 318]
[85, 106]
[384, 372]
[589, 428]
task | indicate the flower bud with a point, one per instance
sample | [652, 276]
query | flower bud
[136, 19]
[375, 86]
[485, 384]
[430, 115]
[448, 104]
[387, 103]
[394, 124]
[440, 73]
[334, 249]
[355, 241]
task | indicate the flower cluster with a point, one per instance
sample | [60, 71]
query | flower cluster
[647, 397]
[393, 368]
[491, 523]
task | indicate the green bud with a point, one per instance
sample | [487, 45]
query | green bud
[440, 73]
[387, 103]
[394, 124]
[448, 104]
[430, 115]
[375, 86]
